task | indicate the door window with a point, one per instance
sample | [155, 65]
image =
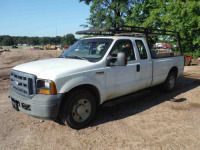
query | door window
[125, 46]
[141, 49]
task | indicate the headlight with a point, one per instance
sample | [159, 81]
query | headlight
[46, 87]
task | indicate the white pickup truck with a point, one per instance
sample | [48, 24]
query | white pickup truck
[90, 72]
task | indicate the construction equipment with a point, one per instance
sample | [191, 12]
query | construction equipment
[32, 48]
[47, 47]
[66, 47]
[41, 47]
[53, 47]
[50, 47]
[59, 47]
[188, 60]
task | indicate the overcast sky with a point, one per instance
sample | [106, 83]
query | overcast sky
[42, 17]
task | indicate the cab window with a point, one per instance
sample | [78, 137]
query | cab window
[141, 49]
[125, 46]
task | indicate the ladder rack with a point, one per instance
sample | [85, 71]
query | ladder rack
[132, 31]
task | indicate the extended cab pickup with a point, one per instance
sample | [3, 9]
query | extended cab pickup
[90, 72]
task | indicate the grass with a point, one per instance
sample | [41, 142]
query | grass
[20, 47]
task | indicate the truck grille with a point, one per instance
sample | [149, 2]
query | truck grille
[23, 83]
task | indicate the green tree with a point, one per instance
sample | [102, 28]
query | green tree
[179, 15]
[34, 40]
[1, 38]
[107, 13]
[15, 38]
[22, 40]
[56, 40]
[45, 40]
[68, 39]
[7, 41]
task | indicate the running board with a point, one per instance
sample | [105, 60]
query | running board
[121, 99]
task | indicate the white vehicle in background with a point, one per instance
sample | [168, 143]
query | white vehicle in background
[158, 45]
[91, 72]
[162, 45]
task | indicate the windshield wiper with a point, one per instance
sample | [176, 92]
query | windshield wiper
[77, 57]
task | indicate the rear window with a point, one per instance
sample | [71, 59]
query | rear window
[141, 49]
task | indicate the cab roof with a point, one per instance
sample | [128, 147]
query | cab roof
[111, 37]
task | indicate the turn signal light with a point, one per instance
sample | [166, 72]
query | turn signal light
[42, 91]
[53, 88]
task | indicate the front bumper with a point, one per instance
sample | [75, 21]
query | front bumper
[40, 106]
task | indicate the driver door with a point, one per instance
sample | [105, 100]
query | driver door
[122, 80]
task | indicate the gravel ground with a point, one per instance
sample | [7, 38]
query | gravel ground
[156, 120]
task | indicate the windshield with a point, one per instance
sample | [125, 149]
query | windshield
[90, 49]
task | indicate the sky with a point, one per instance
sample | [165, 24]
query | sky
[42, 17]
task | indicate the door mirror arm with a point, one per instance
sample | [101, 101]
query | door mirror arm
[109, 60]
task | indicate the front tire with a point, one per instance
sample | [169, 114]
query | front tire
[170, 82]
[78, 109]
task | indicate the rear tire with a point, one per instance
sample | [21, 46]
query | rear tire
[170, 82]
[78, 109]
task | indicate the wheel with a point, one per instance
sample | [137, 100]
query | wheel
[78, 109]
[170, 82]
[190, 63]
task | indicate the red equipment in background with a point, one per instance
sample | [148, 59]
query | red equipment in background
[165, 45]
[188, 60]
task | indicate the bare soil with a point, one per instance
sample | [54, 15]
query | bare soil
[156, 120]
[195, 61]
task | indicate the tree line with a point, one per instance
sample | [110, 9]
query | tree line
[7, 40]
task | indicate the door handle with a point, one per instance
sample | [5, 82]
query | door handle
[138, 68]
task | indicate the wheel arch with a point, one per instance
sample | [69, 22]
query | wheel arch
[175, 70]
[91, 88]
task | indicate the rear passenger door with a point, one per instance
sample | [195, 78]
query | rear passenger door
[145, 63]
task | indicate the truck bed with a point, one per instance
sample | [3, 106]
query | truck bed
[162, 66]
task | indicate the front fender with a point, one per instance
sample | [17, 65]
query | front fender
[68, 83]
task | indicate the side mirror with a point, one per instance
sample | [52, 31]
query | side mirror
[121, 59]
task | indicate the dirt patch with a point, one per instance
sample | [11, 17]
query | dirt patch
[195, 105]
[9, 59]
[4, 77]
[156, 120]
[195, 62]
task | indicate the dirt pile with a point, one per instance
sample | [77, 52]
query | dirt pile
[9, 59]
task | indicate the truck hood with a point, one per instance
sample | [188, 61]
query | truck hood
[54, 67]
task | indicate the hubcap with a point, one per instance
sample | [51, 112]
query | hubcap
[171, 82]
[81, 110]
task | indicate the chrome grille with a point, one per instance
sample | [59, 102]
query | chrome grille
[23, 83]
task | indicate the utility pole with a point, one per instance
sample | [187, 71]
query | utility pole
[56, 49]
